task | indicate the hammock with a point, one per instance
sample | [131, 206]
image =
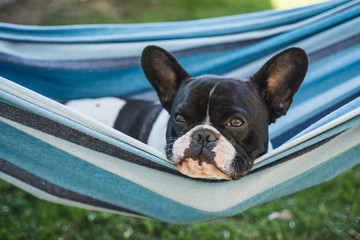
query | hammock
[60, 155]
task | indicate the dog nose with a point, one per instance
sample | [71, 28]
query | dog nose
[204, 136]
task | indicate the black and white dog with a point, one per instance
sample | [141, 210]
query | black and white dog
[208, 126]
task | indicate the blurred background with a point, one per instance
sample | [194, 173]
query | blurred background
[57, 12]
[329, 211]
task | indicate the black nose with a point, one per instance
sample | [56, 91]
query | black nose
[204, 136]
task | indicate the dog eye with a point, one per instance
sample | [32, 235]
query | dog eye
[235, 123]
[179, 118]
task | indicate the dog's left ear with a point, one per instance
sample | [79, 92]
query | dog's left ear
[164, 73]
[280, 78]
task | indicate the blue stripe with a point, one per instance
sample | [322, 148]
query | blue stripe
[67, 85]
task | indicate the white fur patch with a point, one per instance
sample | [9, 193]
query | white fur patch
[180, 145]
[157, 137]
[225, 154]
[105, 110]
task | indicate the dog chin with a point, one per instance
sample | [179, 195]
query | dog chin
[192, 168]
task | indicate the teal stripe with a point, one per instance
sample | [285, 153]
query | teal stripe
[67, 171]
[60, 85]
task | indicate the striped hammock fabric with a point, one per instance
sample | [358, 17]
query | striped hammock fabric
[60, 155]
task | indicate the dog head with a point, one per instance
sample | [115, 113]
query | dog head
[218, 126]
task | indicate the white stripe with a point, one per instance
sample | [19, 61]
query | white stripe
[207, 118]
[104, 110]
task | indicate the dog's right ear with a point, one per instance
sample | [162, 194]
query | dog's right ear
[164, 73]
[280, 78]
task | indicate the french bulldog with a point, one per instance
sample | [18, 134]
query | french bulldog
[208, 126]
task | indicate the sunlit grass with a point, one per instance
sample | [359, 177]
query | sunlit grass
[329, 211]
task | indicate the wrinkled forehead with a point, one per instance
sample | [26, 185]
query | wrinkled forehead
[234, 94]
[197, 89]
[201, 89]
[233, 89]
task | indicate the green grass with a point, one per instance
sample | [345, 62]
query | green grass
[145, 10]
[329, 211]
[46, 12]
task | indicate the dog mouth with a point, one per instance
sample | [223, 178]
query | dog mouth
[197, 169]
[205, 166]
[197, 163]
[205, 153]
